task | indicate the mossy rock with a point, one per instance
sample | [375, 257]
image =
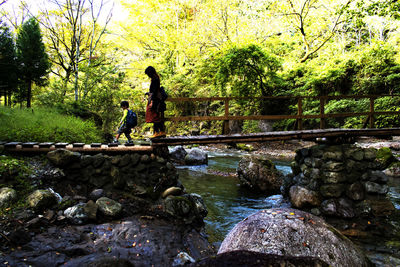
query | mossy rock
[385, 157]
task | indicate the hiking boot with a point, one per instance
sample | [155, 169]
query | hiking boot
[130, 141]
[115, 141]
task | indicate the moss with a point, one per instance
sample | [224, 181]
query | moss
[245, 147]
[385, 157]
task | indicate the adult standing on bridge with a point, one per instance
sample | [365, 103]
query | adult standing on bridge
[155, 105]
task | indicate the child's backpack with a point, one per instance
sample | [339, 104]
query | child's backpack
[131, 119]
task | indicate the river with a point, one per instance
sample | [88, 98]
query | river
[228, 203]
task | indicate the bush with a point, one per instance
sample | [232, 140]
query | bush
[45, 125]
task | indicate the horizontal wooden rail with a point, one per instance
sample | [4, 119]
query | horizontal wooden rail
[299, 117]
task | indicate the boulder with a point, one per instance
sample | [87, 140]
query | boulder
[63, 157]
[76, 214]
[7, 196]
[255, 259]
[290, 232]
[189, 207]
[302, 197]
[41, 199]
[259, 174]
[178, 154]
[109, 207]
[196, 156]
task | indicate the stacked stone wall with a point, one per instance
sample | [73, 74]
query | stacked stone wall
[338, 180]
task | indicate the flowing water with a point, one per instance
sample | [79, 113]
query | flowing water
[228, 203]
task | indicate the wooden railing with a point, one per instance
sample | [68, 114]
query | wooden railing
[299, 117]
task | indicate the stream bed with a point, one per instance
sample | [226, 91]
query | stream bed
[228, 203]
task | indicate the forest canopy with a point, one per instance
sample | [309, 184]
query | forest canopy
[97, 52]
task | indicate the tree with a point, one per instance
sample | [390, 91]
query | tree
[316, 21]
[32, 57]
[73, 31]
[8, 66]
[247, 71]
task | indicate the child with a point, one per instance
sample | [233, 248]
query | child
[124, 126]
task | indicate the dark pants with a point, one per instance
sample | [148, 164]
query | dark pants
[160, 126]
[126, 130]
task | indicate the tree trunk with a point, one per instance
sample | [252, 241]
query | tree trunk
[28, 94]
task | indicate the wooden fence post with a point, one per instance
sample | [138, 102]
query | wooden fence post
[371, 112]
[322, 112]
[300, 113]
[225, 127]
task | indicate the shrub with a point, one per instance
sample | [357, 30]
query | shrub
[45, 125]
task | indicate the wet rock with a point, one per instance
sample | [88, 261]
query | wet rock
[63, 157]
[182, 259]
[76, 214]
[178, 154]
[241, 258]
[332, 190]
[109, 207]
[378, 177]
[259, 174]
[302, 197]
[41, 199]
[189, 207]
[196, 156]
[329, 207]
[90, 209]
[393, 170]
[7, 196]
[356, 191]
[374, 188]
[290, 232]
[96, 194]
[379, 207]
[175, 191]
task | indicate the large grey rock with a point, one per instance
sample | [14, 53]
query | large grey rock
[291, 232]
[41, 199]
[7, 196]
[196, 156]
[259, 174]
[63, 157]
[178, 154]
[109, 207]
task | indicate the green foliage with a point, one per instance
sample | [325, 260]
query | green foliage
[8, 64]
[247, 71]
[32, 58]
[15, 173]
[45, 125]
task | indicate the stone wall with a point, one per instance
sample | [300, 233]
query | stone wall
[141, 182]
[343, 181]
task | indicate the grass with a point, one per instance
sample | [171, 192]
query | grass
[45, 125]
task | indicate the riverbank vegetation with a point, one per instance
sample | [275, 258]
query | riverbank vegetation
[209, 48]
[45, 125]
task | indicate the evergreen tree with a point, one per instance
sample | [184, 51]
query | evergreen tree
[8, 66]
[32, 58]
